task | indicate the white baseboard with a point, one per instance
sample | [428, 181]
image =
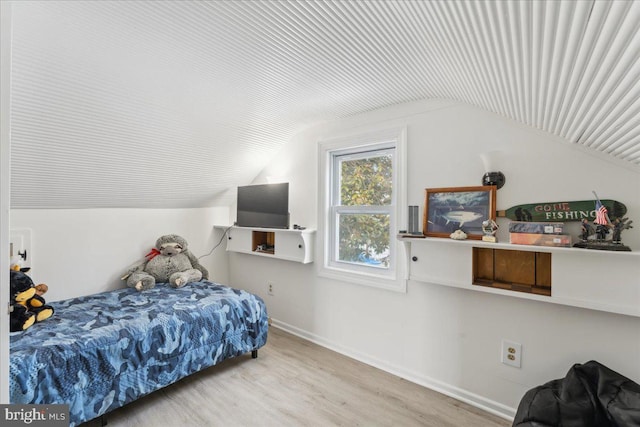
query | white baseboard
[473, 399]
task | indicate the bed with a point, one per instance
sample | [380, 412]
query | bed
[102, 351]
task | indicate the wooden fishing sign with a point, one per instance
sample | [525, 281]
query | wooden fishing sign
[562, 211]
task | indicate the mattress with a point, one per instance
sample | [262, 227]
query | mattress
[102, 351]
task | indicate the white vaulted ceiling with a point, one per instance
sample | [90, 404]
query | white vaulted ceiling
[175, 103]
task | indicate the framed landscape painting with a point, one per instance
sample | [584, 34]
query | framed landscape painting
[458, 208]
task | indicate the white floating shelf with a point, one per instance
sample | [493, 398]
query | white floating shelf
[285, 244]
[594, 279]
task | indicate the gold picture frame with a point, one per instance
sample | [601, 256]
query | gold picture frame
[458, 208]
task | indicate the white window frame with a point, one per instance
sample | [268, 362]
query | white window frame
[394, 277]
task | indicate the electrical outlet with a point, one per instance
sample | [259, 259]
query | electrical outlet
[511, 353]
[270, 287]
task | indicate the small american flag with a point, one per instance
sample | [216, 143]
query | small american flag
[601, 214]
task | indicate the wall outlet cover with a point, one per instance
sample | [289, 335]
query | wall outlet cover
[511, 353]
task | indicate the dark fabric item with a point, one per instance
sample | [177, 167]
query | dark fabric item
[590, 395]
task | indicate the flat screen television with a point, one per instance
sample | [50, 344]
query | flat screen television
[263, 205]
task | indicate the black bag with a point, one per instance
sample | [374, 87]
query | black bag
[590, 395]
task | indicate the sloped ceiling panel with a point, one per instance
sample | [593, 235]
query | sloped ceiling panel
[175, 103]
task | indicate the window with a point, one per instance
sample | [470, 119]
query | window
[362, 202]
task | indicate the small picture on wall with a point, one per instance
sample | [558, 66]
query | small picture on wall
[458, 208]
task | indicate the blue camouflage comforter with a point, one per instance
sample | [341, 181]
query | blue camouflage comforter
[102, 351]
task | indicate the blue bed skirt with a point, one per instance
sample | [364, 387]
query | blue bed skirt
[102, 351]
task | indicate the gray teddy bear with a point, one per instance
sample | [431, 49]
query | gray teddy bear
[170, 262]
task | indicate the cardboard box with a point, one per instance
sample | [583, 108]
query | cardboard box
[561, 240]
[536, 227]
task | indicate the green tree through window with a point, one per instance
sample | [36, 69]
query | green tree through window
[366, 186]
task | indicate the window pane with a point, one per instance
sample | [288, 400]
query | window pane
[364, 239]
[366, 181]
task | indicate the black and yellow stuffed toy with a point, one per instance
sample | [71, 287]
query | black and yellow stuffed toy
[27, 307]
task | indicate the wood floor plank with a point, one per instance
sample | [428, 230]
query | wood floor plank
[294, 382]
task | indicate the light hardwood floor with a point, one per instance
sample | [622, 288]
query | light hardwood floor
[296, 383]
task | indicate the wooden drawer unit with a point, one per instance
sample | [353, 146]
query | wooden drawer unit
[521, 271]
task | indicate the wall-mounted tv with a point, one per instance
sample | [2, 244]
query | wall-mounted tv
[264, 205]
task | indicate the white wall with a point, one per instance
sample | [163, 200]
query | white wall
[5, 189]
[442, 337]
[84, 251]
